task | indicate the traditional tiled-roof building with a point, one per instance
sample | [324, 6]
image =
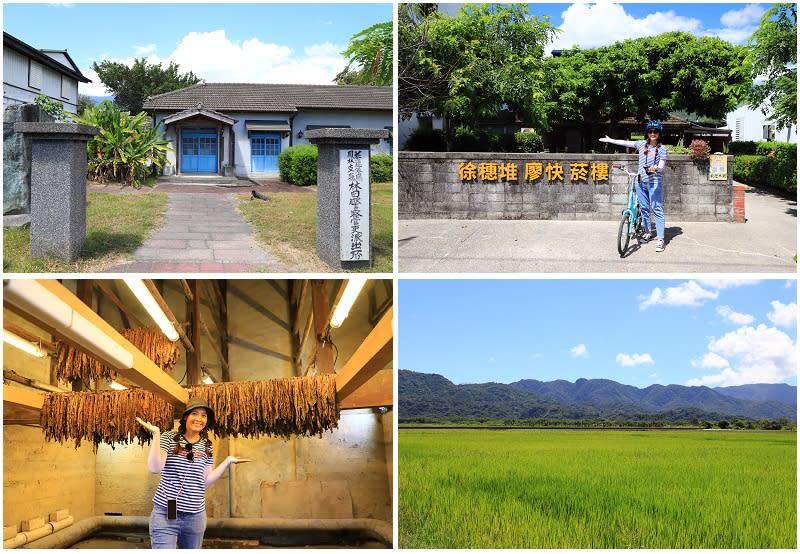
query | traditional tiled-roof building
[240, 128]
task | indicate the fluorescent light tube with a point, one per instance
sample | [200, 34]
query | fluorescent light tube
[348, 298]
[149, 303]
[23, 344]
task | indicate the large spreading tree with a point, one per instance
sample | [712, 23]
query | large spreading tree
[647, 77]
[772, 61]
[132, 85]
[486, 58]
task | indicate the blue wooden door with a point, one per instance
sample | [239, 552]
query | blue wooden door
[264, 150]
[199, 151]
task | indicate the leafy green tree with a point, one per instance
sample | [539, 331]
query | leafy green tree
[132, 85]
[647, 77]
[772, 60]
[371, 55]
[126, 149]
[84, 103]
[486, 58]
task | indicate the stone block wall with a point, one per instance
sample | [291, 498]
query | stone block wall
[432, 185]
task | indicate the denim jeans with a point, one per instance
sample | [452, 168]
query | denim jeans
[185, 532]
[650, 196]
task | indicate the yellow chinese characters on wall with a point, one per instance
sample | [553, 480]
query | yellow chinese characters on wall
[553, 171]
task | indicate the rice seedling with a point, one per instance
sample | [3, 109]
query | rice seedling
[597, 489]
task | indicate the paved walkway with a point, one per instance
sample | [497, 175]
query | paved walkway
[766, 243]
[202, 232]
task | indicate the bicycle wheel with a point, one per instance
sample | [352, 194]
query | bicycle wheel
[623, 235]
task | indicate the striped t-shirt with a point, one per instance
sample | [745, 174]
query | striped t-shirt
[181, 478]
[651, 156]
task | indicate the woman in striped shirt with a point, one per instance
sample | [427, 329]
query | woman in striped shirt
[652, 159]
[184, 458]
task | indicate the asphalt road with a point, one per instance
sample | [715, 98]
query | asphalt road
[766, 243]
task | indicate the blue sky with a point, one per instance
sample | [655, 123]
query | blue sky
[591, 25]
[280, 43]
[639, 332]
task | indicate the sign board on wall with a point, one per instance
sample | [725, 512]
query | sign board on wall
[354, 205]
[718, 168]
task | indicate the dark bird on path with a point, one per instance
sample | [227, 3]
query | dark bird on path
[259, 196]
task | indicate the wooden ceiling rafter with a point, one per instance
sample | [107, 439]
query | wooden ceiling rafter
[168, 312]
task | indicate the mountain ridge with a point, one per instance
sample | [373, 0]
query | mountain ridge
[434, 396]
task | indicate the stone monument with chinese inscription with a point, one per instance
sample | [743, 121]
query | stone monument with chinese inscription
[344, 230]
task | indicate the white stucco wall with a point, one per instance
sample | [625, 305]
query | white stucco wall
[749, 124]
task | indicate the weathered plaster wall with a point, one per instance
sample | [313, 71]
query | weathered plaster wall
[40, 477]
[430, 186]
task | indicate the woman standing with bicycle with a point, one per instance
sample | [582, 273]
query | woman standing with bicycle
[652, 160]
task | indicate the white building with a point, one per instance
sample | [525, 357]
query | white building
[749, 124]
[28, 72]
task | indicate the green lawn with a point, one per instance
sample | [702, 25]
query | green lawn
[116, 225]
[597, 489]
[287, 226]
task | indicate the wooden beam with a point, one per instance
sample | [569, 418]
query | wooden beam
[322, 315]
[193, 361]
[374, 393]
[106, 290]
[217, 351]
[371, 356]
[253, 303]
[221, 302]
[187, 290]
[294, 335]
[223, 329]
[151, 286]
[49, 304]
[21, 405]
[258, 348]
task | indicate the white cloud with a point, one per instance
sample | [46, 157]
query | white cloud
[686, 294]
[734, 317]
[758, 355]
[601, 24]
[783, 315]
[145, 50]
[214, 57]
[579, 351]
[634, 359]
[748, 15]
[711, 360]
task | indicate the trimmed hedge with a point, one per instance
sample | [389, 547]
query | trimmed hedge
[381, 166]
[766, 171]
[528, 142]
[298, 165]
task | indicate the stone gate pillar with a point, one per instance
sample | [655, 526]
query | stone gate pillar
[344, 230]
[58, 187]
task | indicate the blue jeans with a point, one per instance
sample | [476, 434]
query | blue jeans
[185, 532]
[650, 196]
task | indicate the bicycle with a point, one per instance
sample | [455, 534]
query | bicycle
[631, 223]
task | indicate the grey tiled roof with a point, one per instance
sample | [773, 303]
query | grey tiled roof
[272, 98]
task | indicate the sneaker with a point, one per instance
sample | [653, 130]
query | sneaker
[647, 237]
[660, 245]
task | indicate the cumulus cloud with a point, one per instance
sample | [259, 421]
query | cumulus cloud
[720, 284]
[748, 15]
[579, 351]
[214, 57]
[626, 360]
[734, 317]
[689, 293]
[783, 315]
[601, 24]
[756, 354]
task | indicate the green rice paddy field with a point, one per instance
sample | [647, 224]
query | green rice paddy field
[597, 489]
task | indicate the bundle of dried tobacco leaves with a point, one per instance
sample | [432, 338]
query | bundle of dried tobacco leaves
[302, 406]
[104, 416]
[73, 363]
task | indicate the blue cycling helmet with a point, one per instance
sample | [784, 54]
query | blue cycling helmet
[653, 125]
